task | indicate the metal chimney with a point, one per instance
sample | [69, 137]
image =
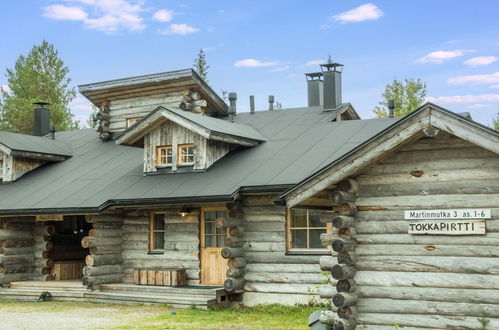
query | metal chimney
[314, 88]
[232, 107]
[332, 85]
[391, 108]
[271, 102]
[41, 125]
[252, 104]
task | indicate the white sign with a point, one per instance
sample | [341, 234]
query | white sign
[448, 214]
[448, 227]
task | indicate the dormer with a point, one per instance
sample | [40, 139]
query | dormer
[175, 140]
[123, 102]
[20, 154]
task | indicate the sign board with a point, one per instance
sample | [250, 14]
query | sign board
[448, 214]
[50, 217]
[447, 227]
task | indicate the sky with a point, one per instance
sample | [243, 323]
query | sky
[264, 48]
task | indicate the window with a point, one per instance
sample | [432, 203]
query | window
[164, 156]
[156, 232]
[131, 121]
[186, 154]
[213, 236]
[305, 229]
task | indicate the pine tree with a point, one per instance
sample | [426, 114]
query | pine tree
[201, 66]
[38, 77]
[408, 95]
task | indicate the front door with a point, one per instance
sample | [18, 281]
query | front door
[213, 266]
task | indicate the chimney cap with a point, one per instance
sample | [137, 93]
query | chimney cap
[232, 96]
[336, 67]
[314, 75]
[41, 104]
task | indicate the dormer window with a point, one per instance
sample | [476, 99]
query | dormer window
[186, 154]
[164, 156]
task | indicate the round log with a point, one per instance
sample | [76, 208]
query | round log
[343, 272]
[42, 271]
[45, 230]
[327, 291]
[16, 250]
[104, 233]
[327, 263]
[344, 299]
[15, 268]
[229, 252]
[235, 272]
[347, 285]
[236, 205]
[102, 115]
[106, 250]
[343, 244]
[48, 263]
[106, 225]
[18, 226]
[347, 258]
[328, 239]
[7, 278]
[348, 185]
[343, 221]
[237, 262]
[236, 214]
[236, 231]
[92, 281]
[349, 313]
[101, 270]
[95, 242]
[101, 260]
[185, 106]
[233, 284]
[42, 254]
[228, 222]
[44, 246]
[116, 218]
[338, 197]
[343, 324]
[233, 242]
[347, 208]
[16, 259]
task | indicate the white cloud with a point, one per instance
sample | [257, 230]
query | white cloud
[108, 16]
[494, 86]
[315, 62]
[477, 106]
[441, 56]
[479, 79]
[252, 63]
[282, 68]
[362, 13]
[181, 29]
[6, 89]
[163, 15]
[464, 99]
[61, 12]
[79, 105]
[481, 60]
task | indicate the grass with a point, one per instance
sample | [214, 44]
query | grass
[120, 316]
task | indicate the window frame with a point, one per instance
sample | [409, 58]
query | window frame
[202, 225]
[289, 228]
[179, 156]
[153, 231]
[134, 119]
[158, 156]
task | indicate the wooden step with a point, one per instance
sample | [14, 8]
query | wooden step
[191, 290]
[151, 298]
[49, 285]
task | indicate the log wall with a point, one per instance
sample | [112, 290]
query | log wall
[16, 249]
[271, 275]
[430, 281]
[181, 244]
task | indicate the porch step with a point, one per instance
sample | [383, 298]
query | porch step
[49, 285]
[182, 290]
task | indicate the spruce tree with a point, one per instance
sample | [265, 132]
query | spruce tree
[40, 76]
[201, 66]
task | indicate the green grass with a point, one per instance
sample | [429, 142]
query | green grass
[161, 317]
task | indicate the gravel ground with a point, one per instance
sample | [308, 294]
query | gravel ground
[20, 315]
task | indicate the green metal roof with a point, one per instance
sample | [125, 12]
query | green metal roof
[34, 144]
[298, 142]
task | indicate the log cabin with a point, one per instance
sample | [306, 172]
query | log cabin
[177, 198]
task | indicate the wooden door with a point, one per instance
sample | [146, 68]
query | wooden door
[213, 266]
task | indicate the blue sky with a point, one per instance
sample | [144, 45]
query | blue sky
[265, 47]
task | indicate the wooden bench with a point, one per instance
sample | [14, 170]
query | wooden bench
[160, 276]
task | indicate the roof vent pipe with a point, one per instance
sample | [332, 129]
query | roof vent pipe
[332, 85]
[232, 107]
[391, 108]
[41, 125]
[252, 104]
[314, 88]
[271, 102]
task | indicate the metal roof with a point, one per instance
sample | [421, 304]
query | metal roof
[34, 144]
[209, 127]
[299, 142]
